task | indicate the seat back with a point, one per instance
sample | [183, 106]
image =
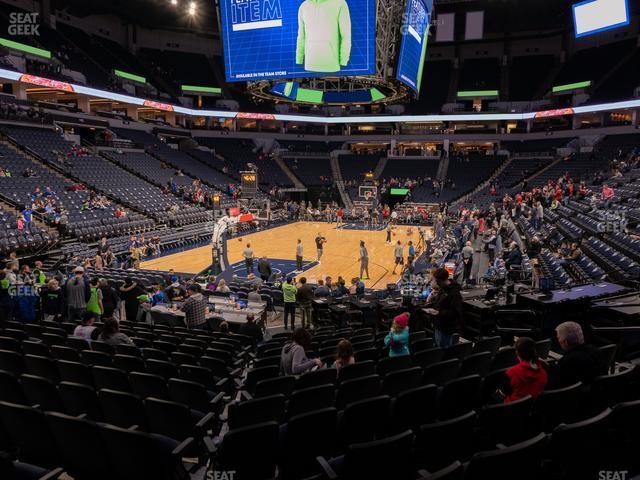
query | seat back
[261, 440]
[357, 389]
[79, 399]
[438, 444]
[312, 398]
[356, 370]
[392, 364]
[260, 410]
[371, 459]
[364, 420]
[414, 407]
[401, 380]
[80, 446]
[302, 448]
[441, 372]
[524, 457]
[28, 432]
[122, 409]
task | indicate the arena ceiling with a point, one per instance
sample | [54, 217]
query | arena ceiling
[501, 16]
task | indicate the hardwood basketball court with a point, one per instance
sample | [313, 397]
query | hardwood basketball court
[340, 258]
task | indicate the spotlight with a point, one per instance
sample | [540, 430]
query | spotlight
[174, 2]
[192, 9]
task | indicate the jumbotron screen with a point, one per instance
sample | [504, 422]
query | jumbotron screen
[271, 39]
[415, 35]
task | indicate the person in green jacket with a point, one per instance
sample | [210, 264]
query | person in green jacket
[95, 300]
[289, 293]
[38, 273]
[324, 35]
[398, 337]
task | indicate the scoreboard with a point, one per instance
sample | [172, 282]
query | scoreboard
[249, 184]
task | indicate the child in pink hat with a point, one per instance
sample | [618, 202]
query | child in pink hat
[398, 337]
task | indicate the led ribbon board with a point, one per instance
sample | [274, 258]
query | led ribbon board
[316, 119]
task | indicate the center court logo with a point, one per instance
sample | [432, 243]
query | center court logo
[24, 24]
[255, 14]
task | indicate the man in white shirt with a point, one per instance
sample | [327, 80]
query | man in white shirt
[299, 253]
[248, 258]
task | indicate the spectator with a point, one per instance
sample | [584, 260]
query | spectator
[52, 298]
[264, 268]
[398, 337]
[248, 258]
[357, 286]
[86, 329]
[574, 254]
[194, 308]
[467, 260]
[254, 296]
[341, 288]
[222, 286]
[157, 297]
[514, 257]
[293, 360]
[252, 329]
[25, 277]
[344, 354]
[581, 361]
[38, 273]
[95, 298]
[447, 309]
[111, 334]
[77, 294]
[129, 293]
[321, 290]
[305, 299]
[289, 293]
[211, 284]
[529, 376]
[175, 292]
[253, 280]
[110, 298]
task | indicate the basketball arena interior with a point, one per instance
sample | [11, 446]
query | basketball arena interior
[319, 239]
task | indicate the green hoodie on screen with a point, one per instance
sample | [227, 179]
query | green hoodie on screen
[324, 35]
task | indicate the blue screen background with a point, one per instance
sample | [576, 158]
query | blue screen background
[270, 53]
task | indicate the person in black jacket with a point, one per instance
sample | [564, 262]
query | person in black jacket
[447, 309]
[305, 300]
[514, 257]
[129, 292]
[110, 298]
[264, 269]
[52, 298]
[581, 361]
[252, 329]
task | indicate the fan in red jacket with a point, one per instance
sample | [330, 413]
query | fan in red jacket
[529, 376]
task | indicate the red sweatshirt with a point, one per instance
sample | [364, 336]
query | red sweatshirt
[526, 380]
